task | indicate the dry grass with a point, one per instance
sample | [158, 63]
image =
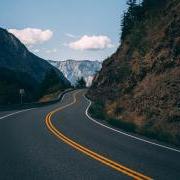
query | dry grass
[50, 97]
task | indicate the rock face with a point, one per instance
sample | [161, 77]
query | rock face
[20, 69]
[74, 70]
[140, 82]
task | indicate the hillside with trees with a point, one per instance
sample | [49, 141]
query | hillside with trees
[20, 69]
[138, 86]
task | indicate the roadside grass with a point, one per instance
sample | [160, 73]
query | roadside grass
[50, 96]
[96, 111]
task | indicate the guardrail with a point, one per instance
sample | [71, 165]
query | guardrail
[33, 104]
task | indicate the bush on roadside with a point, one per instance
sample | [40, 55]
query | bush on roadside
[97, 110]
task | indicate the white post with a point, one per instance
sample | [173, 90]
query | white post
[21, 92]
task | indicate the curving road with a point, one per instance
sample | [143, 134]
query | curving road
[59, 141]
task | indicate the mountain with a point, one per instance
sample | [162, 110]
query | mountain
[20, 69]
[74, 70]
[138, 87]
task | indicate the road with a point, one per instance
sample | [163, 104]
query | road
[60, 142]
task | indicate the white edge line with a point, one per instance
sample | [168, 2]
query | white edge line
[17, 112]
[126, 134]
[24, 110]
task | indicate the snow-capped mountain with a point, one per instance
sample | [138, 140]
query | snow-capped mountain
[73, 69]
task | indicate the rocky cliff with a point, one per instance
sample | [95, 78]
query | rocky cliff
[74, 70]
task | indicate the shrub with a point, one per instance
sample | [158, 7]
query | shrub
[97, 110]
[122, 124]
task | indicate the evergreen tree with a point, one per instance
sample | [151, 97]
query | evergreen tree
[134, 15]
[128, 18]
[132, 5]
[151, 4]
[51, 80]
[81, 83]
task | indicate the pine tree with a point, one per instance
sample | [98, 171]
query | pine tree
[50, 81]
[81, 83]
[133, 15]
[131, 4]
[151, 4]
[128, 18]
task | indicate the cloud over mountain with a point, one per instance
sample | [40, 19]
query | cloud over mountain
[91, 43]
[31, 36]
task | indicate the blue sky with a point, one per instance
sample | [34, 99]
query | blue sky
[65, 29]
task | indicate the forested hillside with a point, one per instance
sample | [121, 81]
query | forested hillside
[20, 69]
[138, 87]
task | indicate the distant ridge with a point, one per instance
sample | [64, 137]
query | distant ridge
[75, 69]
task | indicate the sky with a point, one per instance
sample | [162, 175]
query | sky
[65, 29]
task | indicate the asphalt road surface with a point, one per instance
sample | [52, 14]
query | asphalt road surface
[59, 142]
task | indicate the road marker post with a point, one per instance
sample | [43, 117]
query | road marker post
[21, 92]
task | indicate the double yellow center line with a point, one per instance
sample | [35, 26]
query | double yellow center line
[88, 152]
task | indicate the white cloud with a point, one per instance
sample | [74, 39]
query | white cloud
[91, 43]
[51, 51]
[31, 36]
[70, 35]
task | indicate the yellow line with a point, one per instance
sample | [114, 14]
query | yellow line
[88, 152]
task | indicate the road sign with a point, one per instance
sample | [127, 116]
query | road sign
[21, 92]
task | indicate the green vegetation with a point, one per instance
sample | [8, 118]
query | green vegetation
[20, 69]
[12, 82]
[137, 14]
[139, 83]
[81, 83]
[10, 86]
[51, 83]
[97, 111]
[130, 18]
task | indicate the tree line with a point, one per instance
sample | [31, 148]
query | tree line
[136, 13]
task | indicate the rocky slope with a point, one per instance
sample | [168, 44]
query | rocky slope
[74, 70]
[139, 85]
[20, 69]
